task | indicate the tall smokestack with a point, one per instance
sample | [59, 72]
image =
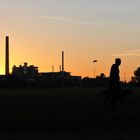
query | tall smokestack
[62, 60]
[7, 56]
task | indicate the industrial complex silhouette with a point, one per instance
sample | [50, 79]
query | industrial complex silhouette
[29, 76]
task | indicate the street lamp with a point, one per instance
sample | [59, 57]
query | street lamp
[94, 61]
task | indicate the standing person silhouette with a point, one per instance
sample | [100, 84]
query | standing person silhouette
[115, 82]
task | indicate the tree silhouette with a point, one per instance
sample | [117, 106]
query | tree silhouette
[102, 75]
[137, 74]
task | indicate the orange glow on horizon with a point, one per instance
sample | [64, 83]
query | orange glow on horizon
[40, 44]
[78, 63]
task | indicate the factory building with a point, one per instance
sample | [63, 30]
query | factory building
[25, 71]
[61, 78]
[31, 74]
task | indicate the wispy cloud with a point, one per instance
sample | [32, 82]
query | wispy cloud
[64, 19]
[58, 18]
[129, 53]
[88, 23]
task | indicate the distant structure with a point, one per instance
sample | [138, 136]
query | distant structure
[63, 61]
[30, 75]
[61, 78]
[7, 56]
[25, 71]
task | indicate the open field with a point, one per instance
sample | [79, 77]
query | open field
[66, 113]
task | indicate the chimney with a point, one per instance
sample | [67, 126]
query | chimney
[7, 56]
[62, 61]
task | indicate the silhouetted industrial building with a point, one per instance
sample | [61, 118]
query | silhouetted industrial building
[29, 75]
[59, 78]
[25, 70]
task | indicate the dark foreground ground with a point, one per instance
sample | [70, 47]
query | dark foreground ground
[66, 114]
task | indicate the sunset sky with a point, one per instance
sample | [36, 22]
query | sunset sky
[84, 29]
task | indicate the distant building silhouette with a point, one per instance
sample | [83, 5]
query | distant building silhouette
[25, 70]
[31, 76]
[59, 79]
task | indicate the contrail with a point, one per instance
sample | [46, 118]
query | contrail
[59, 18]
[70, 20]
[88, 23]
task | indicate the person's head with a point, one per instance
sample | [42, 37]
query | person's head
[118, 61]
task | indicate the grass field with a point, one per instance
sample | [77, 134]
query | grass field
[66, 113]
